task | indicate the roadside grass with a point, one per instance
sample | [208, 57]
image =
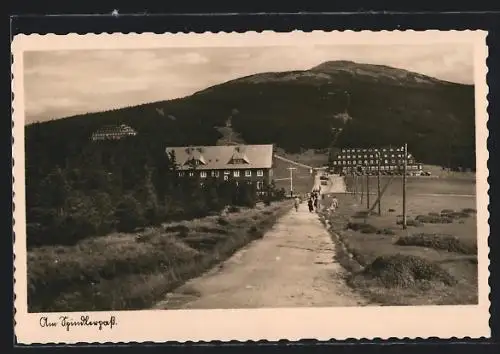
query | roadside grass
[431, 262]
[133, 271]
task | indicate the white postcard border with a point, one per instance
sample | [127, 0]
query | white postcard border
[256, 324]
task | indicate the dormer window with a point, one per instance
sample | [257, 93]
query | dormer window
[239, 157]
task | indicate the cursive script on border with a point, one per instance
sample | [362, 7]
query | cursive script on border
[84, 321]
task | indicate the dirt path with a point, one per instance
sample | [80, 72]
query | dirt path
[335, 184]
[291, 266]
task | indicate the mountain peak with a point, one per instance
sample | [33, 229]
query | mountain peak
[374, 71]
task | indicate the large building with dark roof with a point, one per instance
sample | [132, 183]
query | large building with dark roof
[239, 163]
[113, 132]
[391, 160]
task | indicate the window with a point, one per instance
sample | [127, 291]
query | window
[260, 173]
[348, 156]
[226, 177]
[226, 173]
[259, 185]
[181, 173]
[191, 174]
[215, 173]
[203, 174]
[386, 161]
[248, 173]
[236, 173]
[371, 162]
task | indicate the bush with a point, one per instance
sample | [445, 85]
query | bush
[386, 231]
[458, 215]
[129, 214]
[404, 270]
[233, 209]
[362, 227]
[391, 210]
[447, 211]
[222, 221]
[410, 222]
[428, 219]
[469, 211]
[437, 241]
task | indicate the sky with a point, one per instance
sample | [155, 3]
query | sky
[63, 83]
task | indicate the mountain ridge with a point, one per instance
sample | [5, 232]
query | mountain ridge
[298, 110]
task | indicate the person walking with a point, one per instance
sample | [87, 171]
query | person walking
[297, 203]
[310, 204]
[335, 204]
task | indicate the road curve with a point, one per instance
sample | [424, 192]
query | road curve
[291, 266]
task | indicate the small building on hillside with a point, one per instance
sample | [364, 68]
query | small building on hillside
[239, 163]
[113, 132]
[391, 160]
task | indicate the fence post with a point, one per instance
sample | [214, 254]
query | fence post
[378, 185]
[404, 185]
[367, 190]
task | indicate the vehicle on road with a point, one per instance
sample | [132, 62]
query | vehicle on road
[323, 178]
[324, 183]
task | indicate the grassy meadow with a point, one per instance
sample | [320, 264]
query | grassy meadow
[136, 270]
[433, 261]
[303, 180]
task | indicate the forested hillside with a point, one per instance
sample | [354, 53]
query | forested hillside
[71, 180]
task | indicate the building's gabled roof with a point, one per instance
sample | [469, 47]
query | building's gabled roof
[223, 156]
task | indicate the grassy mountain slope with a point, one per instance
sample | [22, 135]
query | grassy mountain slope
[295, 110]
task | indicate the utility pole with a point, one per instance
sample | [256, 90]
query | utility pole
[291, 179]
[378, 184]
[367, 189]
[404, 185]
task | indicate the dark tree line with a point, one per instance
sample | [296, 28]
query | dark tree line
[118, 185]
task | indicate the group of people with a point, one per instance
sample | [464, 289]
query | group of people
[313, 202]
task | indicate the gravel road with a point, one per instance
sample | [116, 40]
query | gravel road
[291, 266]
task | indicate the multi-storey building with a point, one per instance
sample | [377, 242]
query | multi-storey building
[113, 132]
[239, 163]
[391, 159]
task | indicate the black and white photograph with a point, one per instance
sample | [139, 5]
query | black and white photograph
[250, 175]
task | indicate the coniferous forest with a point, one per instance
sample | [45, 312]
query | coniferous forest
[118, 186]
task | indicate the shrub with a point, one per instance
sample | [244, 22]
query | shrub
[433, 214]
[428, 219]
[404, 270]
[233, 209]
[391, 210]
[364, 228]
[253, 230]
[447, 211]
[469, 211]
[129, 214]
[437, 241]
[222, 221]
[386, 231]
[410, 222]
[458, 215]
[176, 228]
[213, 230]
